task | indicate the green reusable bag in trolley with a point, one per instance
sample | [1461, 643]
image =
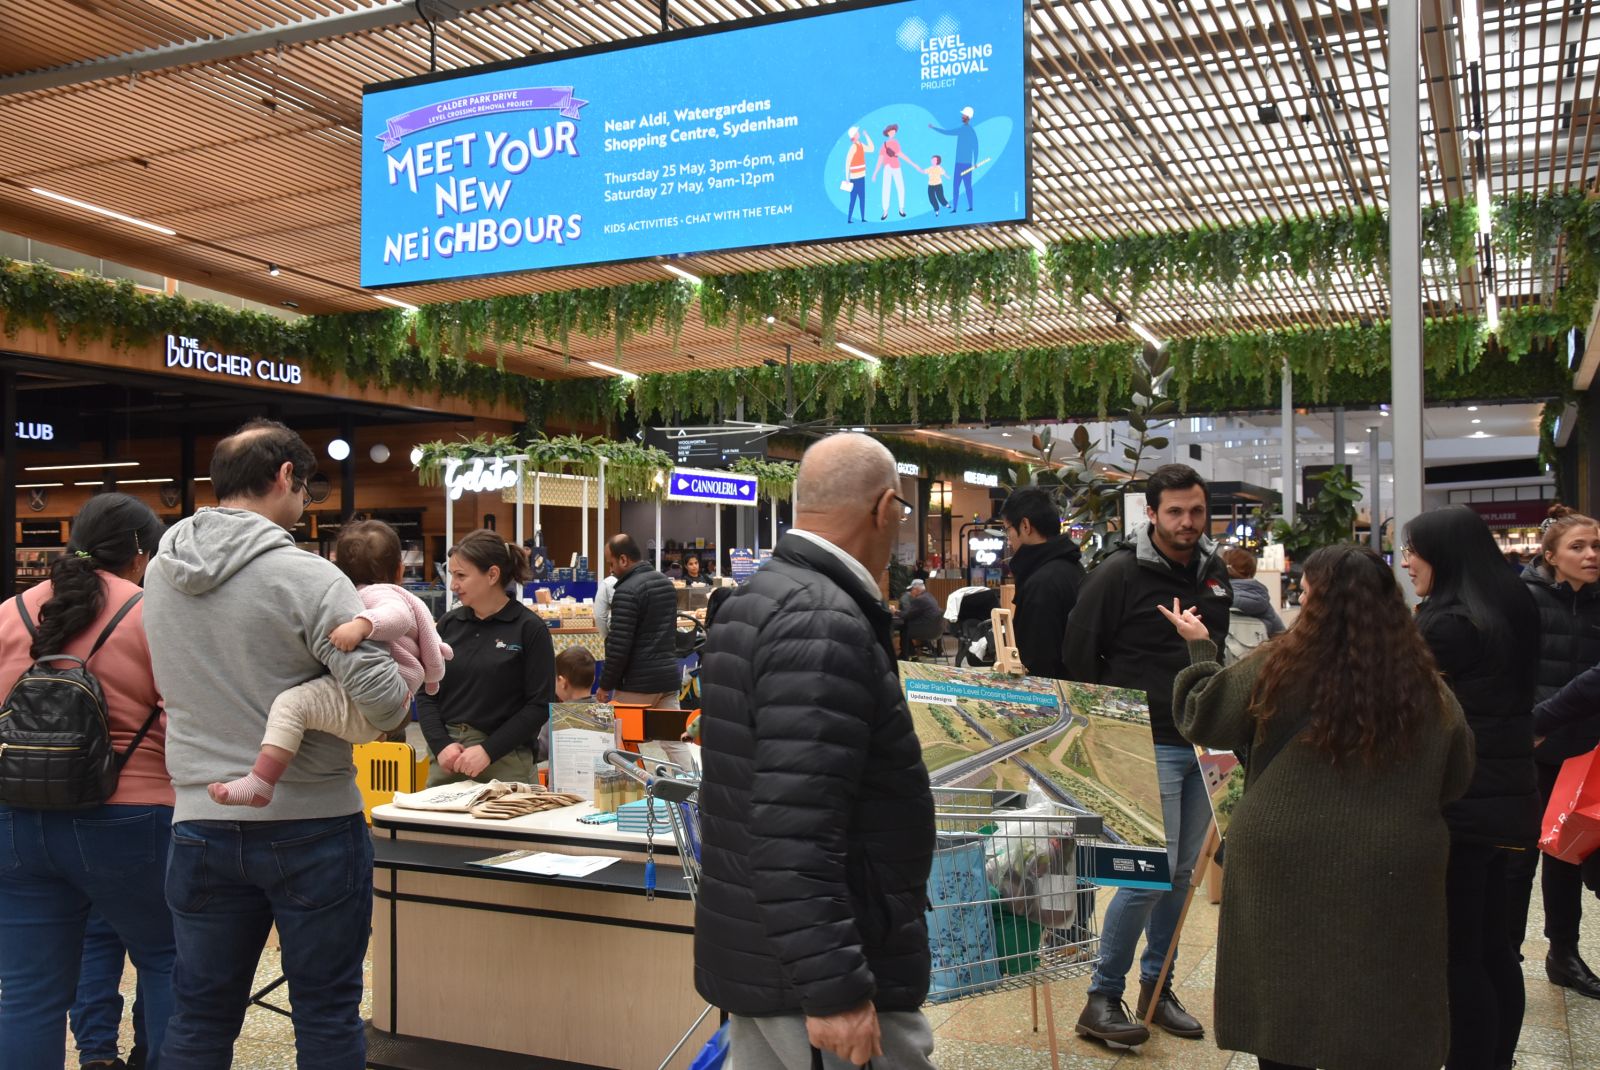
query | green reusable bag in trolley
[960, 925]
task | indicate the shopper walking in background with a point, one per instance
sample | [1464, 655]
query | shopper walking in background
[64, 870]
[1565, 582]
[237, 614]
[1116, 635]
[1331, 946]
[641, 665]
[816, 816]
[1481, 624]
[484, 721]
[1048, 569]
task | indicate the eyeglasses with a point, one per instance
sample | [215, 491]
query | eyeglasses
[906, 509]
[298, 486]
[1407, 553]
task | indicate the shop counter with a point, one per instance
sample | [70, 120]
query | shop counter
[583, 970]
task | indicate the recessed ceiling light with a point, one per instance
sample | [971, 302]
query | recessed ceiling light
[682, 274]
[630, 376]
[70, 467]
[95, 208]
[1472, 408]
[1005, 434]
[396, 304]
[859, 353]
[1480, 434]
[1476, 420]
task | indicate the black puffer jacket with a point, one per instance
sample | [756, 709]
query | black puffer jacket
[1569, 644]
[1501, 807]
[1048, 577]
[641, 653]
[815, 813]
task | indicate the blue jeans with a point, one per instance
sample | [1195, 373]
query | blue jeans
[858, 194]
[96, 1016]
[55, 867]
[963, 177]
[229, 882]
[1186, 809]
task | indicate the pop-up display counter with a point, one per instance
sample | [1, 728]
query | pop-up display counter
[585, 970]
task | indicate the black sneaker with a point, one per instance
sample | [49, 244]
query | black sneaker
[1107, 1020]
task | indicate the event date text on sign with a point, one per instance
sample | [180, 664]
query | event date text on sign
[858, 121]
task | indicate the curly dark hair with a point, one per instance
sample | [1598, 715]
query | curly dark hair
[1356, 658]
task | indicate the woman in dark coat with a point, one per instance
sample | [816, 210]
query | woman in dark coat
[1565, 583]
[1331, 945]
[1483, 628]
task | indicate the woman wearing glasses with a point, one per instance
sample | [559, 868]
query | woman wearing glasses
[1483, 628]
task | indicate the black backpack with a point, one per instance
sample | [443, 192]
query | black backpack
[55, 736]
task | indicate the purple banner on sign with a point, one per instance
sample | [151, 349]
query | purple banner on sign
[541, 98]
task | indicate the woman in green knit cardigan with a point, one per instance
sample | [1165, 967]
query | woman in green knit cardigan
[1331, 946]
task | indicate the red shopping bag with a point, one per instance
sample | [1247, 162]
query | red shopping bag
[1572, 820]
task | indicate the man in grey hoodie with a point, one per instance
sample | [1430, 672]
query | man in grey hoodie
[235, 614]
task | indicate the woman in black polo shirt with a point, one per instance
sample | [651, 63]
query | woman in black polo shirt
[497, 691]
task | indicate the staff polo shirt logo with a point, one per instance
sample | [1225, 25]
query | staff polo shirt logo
[501, 644]
[1216, 589]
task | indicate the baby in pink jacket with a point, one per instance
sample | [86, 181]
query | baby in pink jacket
[368, 552]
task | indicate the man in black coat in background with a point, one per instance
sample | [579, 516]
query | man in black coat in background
[641, 664]
[816, 816]
[1048, 568]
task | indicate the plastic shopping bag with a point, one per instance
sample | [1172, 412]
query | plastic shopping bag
[1572, 820]
[1033, 864]
[961, 937]
[714, 1056]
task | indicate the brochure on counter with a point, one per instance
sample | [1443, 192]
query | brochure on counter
[547, 864]
[580, 735]
[1087, 746]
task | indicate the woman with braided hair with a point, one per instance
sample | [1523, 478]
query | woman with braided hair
[60, 868]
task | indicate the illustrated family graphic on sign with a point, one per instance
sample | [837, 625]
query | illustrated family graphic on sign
[866, 162]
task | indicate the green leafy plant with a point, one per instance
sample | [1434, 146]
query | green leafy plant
[1328, 521]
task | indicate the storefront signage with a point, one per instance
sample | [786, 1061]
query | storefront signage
[906, 468]
[191, 355]
[793, 128]
[714, 488]
[742, 563]
[46, 429]
[483, 473]
[980, 479]
[985, 550]
[1518, 514]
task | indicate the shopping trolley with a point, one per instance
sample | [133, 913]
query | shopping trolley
[679, 789]
[1007, 907]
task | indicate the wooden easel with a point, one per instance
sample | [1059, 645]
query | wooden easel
[1203, 863]
[1006, 658]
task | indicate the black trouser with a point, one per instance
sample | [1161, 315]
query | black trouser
[1560, 883]
[1486, 994]
[1268, 1064]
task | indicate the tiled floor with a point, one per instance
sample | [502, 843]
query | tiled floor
[996, 1032]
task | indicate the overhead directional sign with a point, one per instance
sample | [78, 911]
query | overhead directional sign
[710, 488]
[709, 447]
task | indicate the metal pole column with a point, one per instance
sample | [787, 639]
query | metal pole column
[658, 534]
[449, 540]
[1375, 492]
[1289, 480]
[520, 503]
[598, 562]
[583, 511]
[1405, 263]
[1338, 437]
[347, 472]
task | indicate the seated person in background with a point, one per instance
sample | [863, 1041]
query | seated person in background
[574, 683]
[672, 570]
[1250, 595]
[917, 609]
[368, 552]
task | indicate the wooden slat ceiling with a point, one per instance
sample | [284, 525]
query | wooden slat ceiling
[1147, 115]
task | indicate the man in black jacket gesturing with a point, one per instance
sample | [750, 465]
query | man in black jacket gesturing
[1048, 569]
[1114, 637]
[641, 644]
[816, 817]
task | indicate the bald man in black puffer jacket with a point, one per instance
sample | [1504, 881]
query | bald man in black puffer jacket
[816, 816]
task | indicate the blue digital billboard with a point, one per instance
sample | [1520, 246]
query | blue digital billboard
[859, 121]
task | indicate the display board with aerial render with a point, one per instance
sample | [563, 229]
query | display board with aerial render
[849, 121]
[1086, 746]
